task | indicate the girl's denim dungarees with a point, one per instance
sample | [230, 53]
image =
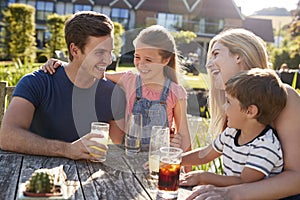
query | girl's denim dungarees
[149, 109]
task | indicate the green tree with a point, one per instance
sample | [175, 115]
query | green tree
[289, 52]
[118, 32]
[184, 36]
[293, 39]
[55, 24]
[4, 40]
[19, 32]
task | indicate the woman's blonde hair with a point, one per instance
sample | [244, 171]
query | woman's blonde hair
[159, 37]
[253, 53]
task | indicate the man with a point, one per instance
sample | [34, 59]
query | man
[51, 114]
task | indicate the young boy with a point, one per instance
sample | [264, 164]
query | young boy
[249, 145]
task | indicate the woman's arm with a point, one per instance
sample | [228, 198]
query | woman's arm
[288, 128]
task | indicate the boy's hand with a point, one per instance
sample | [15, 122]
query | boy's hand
[190, 179]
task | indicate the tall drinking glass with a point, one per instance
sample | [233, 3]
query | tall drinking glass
[160, 137]
[133, 134]
[169, 170]
[100, 128]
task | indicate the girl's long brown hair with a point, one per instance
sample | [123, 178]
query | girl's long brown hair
[159, 37]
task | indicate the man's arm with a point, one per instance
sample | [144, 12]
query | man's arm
[15, 135]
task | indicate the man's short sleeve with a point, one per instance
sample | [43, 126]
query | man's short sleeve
[30, 88]
[118, 103]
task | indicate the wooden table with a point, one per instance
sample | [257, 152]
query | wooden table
[119, 177]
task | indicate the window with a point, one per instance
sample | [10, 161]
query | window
[170, 21]
[43, 10]
[2, 7]
[121, 16]
[80, 7]
[211, 26]
[11, 1]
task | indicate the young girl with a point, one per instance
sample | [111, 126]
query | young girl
[154, 91]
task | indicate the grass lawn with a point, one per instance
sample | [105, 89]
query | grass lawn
[12, 73]
[189, 81]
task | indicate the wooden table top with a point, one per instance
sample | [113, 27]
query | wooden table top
[119, 177]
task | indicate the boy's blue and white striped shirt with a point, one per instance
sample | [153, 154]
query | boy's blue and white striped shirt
[263, 153]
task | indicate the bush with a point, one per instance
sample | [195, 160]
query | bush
[19, 32]
[13, 72]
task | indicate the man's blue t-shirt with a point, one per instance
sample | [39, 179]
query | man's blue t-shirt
[64, 111]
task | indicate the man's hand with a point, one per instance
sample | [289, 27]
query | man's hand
[85, 148]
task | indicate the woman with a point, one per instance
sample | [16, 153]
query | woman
[230, 52]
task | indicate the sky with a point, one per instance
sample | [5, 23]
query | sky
[250, 6]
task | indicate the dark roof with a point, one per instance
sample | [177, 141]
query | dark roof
[200, 8]
[127, 4]
[167, 6]
[217, 9]
[261, 27]
[191, 3]
[214, 9]
[134, 2]
[84, 2]
[102, 2]
[121, 4]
